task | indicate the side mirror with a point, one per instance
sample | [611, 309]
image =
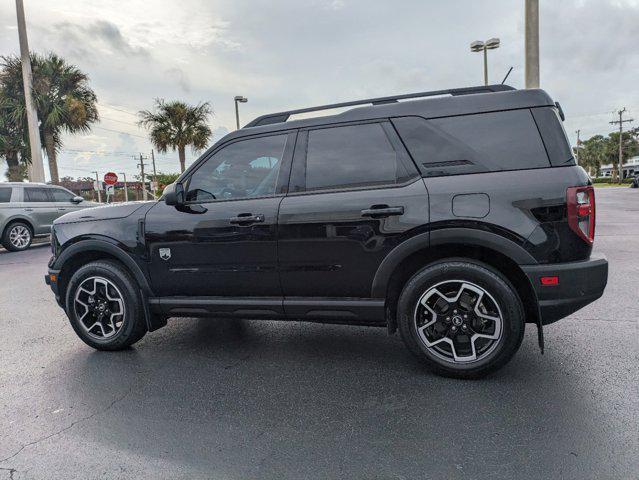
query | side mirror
[77, 200]
[174, 194]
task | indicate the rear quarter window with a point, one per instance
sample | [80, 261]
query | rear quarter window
[5, 194]
[554, 136]
[485, 142]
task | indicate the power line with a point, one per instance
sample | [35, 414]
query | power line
[118, 109]
[119, 131]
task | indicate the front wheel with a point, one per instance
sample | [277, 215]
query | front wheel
[462, 318]
[104, 306]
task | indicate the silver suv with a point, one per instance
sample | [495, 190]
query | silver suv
[27, 210]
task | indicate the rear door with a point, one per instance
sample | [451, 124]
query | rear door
[40, 207]
[354, 194]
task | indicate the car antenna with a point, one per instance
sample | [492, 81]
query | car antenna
[504, 80]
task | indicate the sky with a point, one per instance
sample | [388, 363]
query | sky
[285, 54]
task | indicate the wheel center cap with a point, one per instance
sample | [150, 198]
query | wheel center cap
[457, 320]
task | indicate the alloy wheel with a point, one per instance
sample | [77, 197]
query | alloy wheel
[19, 236]
[458, 321]
[99, 307]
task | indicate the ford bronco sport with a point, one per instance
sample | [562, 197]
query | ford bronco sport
[455, 220]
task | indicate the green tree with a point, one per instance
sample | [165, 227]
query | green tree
[62, 96]
[175, 125]
[592, 153]
[165, 179]
[13, 147]
[598, 150]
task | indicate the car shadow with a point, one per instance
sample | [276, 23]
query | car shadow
[240, 399]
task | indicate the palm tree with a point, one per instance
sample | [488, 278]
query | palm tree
[62, 96]
[176, 124]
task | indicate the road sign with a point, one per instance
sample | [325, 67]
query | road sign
[96, 185]
[110, 189]
[110, 178]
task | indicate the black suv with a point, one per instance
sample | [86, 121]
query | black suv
[455, 219]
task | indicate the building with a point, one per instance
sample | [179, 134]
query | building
[630, 168]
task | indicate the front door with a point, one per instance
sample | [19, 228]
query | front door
[223, 241]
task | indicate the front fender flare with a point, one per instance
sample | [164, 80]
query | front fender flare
[93, 245]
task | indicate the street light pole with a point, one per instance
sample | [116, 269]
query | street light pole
[238, 99]
[97, 185]
[126, 189]
[532, 43]
[36, 169]
[479, 46]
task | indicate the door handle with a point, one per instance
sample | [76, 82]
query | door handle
[247, 219]
[381, 211]
[62, 209]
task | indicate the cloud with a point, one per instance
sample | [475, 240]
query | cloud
[180, 78]
[94, 41]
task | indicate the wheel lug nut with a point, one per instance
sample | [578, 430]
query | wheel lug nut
[465, 316]
[453, 329]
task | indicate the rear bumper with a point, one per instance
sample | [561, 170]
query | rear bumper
[579, 283]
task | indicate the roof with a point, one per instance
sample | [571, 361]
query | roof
[471, 100]
[23, 184]
[461, 101]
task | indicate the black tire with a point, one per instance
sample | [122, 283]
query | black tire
[133, 325]
[12, 246]
[500, 292]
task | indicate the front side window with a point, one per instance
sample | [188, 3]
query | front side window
[244, 169]
[5, 194]
[351, 156]
[36, 195]
[60, 195]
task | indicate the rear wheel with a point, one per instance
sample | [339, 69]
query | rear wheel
[462, 318]
[17, 237]
[104, 306]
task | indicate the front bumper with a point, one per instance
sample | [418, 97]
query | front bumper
[52, 279]
[579, 283]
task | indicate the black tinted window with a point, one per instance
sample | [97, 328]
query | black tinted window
[5, 194]
[243, 169]
[554, 136]
[351, 156]
[473, 143]
[60, 195]
[36, 195]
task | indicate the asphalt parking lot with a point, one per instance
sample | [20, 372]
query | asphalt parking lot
[250, 399]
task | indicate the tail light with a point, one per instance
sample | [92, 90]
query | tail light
[581, 211]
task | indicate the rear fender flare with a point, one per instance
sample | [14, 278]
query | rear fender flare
[442, 237]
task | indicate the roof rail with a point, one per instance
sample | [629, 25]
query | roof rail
[284, 116]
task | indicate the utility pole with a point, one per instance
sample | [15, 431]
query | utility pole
[621, 121]
[141, 165]
[155, 175]
[532, 43]
[577, 150]
[126, 189]
[97, 184]
[36, 169]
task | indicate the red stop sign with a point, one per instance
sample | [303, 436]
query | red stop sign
[110, 178]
